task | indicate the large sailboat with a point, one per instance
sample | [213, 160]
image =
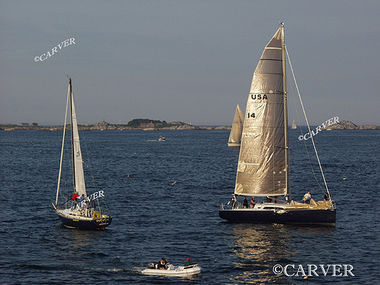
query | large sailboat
[263, 166]
[79, 210]
[236, 129]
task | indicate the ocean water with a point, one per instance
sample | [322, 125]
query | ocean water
[153, 218]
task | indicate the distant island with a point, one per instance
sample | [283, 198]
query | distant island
[151, 125]
[347, 125]
[135, 124]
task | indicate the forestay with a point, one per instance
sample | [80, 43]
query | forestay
[262, 159]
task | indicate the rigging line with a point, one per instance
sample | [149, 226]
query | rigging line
[62, 148]
[307, 122]
[304, 143]
[312, 168]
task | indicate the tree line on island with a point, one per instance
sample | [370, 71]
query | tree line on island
[149, 124]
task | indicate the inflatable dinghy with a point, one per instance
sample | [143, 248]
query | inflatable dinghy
[171, 270]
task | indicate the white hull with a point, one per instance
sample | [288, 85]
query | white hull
[175, 271]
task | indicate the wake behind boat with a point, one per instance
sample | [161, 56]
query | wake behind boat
[81, 211]
[263, 166]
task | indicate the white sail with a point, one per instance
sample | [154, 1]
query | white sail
[79, 184]
[294, 126]
[237, 127]
[262, 169]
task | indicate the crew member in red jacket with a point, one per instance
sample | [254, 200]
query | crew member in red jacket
[75, 196]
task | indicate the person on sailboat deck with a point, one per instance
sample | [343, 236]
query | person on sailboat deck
[245, 203]
[326, 197]
[253, 203]
[234, 201]
[75, 196]
[307, 197]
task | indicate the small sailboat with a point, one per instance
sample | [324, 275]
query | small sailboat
[80, 211]
[236, 129]
[294, 126]
[263, 166]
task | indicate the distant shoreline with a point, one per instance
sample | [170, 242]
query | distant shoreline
[156, 125]
[137, 124]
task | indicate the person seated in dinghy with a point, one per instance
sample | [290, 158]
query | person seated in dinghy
[188, 263]
[163, 264]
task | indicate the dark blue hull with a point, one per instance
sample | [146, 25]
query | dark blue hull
[96, 224]
[299, 216]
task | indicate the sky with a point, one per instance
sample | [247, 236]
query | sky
[189, 61]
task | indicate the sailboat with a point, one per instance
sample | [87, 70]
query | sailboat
[80, 211]
[263, 166]
[294, 126]
[236, 129]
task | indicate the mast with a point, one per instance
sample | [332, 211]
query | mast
[72, 133]
[287, 196]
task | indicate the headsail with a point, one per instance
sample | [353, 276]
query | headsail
[79, 184]
[237, 127]
[262, 168]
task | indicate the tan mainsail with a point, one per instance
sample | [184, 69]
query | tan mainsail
[262, 169]
[237, 127]
[80, 186]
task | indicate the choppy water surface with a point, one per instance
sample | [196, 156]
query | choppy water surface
[153, 218]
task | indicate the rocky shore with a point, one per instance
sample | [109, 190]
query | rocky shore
[136, 124]
[347, 125]
[151, 125]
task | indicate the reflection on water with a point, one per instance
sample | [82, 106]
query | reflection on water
[82, 238]
[257, 248]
